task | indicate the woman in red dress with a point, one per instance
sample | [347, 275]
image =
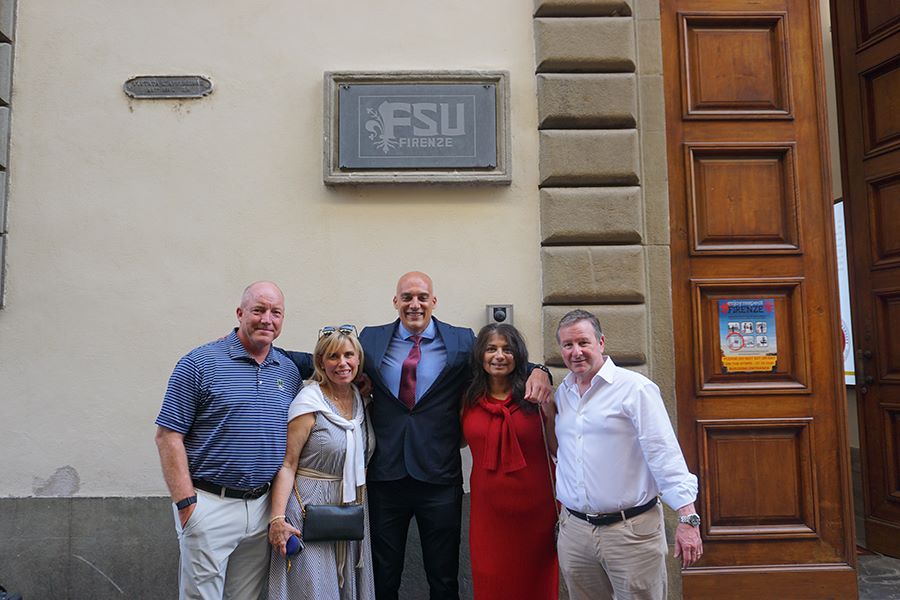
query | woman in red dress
[513, 514]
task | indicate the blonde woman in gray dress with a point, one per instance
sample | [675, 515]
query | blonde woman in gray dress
[329, 444]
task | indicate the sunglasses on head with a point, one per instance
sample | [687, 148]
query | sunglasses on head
[345, 329]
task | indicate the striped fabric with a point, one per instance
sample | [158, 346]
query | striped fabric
[317, 573]
[232, 412]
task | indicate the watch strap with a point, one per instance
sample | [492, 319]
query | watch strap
[185, 502]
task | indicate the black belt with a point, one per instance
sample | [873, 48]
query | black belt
[221, 490]
[610, 518]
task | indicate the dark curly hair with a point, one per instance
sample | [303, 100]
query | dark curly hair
[479, 385]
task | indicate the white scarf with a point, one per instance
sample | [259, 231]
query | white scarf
[311, 399]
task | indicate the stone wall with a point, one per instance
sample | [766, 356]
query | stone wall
[604, 201]
[603, 180]
[115, 548]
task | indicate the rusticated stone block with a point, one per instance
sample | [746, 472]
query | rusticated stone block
[7, 19]
[588, 157]
[587, 100]
[624, 327]
[582, 8]
[5, 73]
[591, 215]
[558, 372]
[4, 137]
[593, 274]
[593, 44]
[3, 202]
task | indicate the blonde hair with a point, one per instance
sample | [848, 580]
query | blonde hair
[331, 343]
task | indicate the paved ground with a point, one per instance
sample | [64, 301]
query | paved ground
[878, 575]
[879, 578]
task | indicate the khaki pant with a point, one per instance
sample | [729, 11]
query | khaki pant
[224, 549]
[625, 560]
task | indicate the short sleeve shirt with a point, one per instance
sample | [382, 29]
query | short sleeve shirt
[232, 412]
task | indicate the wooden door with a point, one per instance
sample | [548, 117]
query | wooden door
[867, 55]
[759, 380]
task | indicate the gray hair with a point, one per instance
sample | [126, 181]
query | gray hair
[573, 316]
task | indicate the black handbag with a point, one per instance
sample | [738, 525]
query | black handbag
[331, 523]
[334, 522]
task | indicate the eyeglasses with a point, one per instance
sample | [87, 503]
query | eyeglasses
[345, 329]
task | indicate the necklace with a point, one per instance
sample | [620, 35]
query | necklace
[344, 406]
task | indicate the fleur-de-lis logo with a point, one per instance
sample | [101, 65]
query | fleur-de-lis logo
[375, 127]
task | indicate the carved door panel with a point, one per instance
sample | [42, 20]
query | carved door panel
[867, 55]
[761, 402]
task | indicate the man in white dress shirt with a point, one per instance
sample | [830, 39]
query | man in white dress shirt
[617, 455]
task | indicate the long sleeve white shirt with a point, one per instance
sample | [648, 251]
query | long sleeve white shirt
[617, 448]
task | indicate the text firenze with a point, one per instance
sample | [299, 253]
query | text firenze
[425, 142]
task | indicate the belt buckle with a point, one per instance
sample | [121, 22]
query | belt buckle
[256, 492]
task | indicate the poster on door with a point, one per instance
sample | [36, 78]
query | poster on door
[748, 341]
[844, 294]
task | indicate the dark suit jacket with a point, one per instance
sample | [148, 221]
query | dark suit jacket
[303, 360]
[423, 442]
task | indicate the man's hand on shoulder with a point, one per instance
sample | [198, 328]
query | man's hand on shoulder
[537, 387]
[364, 383]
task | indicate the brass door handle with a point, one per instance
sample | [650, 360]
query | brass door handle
[866, 380]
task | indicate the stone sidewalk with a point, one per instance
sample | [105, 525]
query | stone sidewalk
[879, 577]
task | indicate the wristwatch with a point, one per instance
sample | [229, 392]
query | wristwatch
[546, 370]
[692, 519]
[184, 503]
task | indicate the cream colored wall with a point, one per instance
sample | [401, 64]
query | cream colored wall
[134, 225]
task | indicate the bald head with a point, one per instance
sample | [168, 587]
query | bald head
[260, 317]
[415, 277]
[415, 300]
[260, 287]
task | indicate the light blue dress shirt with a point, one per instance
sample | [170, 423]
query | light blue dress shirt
[431, 363]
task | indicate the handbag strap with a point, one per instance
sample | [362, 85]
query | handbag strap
[549, 462]
[297, 493]
[365, 427]
[310, 474]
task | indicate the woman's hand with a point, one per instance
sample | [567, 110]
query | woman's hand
[279, 532]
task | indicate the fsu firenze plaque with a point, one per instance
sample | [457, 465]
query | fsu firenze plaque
[447, 127]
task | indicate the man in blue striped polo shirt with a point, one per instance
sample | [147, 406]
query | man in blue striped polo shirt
[221, 435]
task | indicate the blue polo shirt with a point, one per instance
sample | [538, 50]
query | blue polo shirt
[232, 412]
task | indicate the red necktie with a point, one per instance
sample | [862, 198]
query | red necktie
[407, 394]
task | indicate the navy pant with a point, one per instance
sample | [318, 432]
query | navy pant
[438, 513]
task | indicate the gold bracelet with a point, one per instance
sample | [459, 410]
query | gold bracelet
[275, 518]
